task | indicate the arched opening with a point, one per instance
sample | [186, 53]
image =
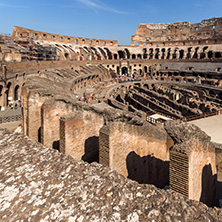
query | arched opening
[8, 93]
[217, 55]
[127, 53]
[16, 93]
[163, 53]
[151, 53]
[157, 54]
[117, 70]
[137, 44]
[66, 55]
[133, 56]
[1, 97]
[168, 53]
[124, 70]
[115, 56]
[175, 54]
[109, 54]
[145, 53]
[210, 54]
[189, 53]
[145, 69]
[181, 54]
[102, 52]
[202, 55]
[195, 53]
[139, 56]
[121, 54]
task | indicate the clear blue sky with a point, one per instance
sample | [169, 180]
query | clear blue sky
[113, 19]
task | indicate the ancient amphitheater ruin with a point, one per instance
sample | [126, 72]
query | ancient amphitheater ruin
[129, 109]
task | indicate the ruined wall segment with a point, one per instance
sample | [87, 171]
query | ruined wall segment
[71, 184]
[139, 152]
[80, 134]
[192, 163]
[178, 31]
[21, 32]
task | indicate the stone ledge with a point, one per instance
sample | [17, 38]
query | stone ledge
[38, 183]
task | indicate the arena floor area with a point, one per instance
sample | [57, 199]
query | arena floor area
[212, 126]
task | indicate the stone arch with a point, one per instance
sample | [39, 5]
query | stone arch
[210, 54]
[195, 55]
[150, 53]
[217, 55]
[1, 97]
[121, 54]
[124, 70]
[145, 53]
[174, 55]
[96, 53]
[163, 53]
[66, 55]
[181, 54]
[137, 44]
[157, 51]
[102, 52]
[16, 92]
[139, 56]
[109, 54]
[168, 53]
[127, 53]
[133, 56]
[9, 92]
[188, 56]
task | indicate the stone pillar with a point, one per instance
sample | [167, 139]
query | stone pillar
[50, 115]
[33, 121]
[104, 157]
[192, 163]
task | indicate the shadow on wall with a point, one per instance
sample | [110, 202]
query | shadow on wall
[91, 150]
[147, 170]
[219, 182]
[55, 145]
[208, 192]
[39, 134]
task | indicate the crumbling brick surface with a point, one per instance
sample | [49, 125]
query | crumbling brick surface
[38, 183]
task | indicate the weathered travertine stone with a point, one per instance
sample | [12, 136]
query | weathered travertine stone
[39, 184]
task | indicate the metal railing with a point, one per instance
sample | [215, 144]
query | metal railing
[152, 120]
[204, 115]
[8, 119]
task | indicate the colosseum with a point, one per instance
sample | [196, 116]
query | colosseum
[113, 132]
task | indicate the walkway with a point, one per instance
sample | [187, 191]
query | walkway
[212, 126]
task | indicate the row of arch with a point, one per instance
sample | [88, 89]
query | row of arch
[10, 93]
[104, 53]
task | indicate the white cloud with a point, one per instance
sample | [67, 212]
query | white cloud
[97, 5]
[12, 6]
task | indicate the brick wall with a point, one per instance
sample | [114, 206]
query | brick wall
[137, 152]
[80, 135]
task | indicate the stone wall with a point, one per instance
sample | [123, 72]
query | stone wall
[140, 153]
[198, 164]
[81, 135]
[20, 32]
[38, 183]
[179, 31]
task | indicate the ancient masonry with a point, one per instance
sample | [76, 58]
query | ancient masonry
[93, 101]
